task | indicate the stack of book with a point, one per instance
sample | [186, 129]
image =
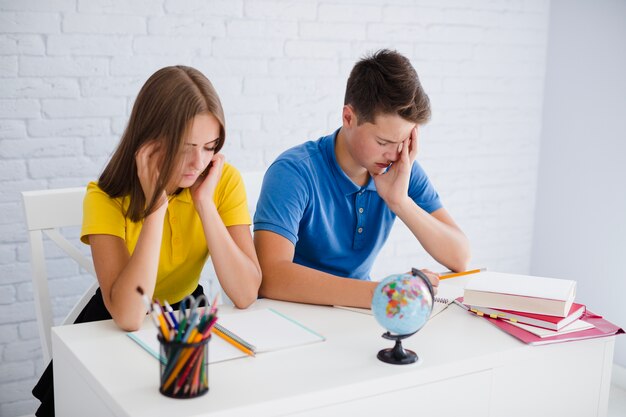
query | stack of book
[536, 310]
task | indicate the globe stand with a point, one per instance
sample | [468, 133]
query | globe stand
[397, 355]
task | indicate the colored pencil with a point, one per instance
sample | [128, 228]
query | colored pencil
[233, 342]
[447, 275]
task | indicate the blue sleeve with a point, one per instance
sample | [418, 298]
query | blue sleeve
[421, 190]
[282, 200]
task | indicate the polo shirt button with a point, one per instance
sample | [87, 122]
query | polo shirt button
[173, 220]
[360, 209]
[360, 230]
[176, 241]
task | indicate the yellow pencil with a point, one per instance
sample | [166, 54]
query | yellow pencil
[232, 341]
[163, 325]
[446, 275]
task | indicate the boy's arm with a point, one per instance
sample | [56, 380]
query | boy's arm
[437, 233]
[285, 280]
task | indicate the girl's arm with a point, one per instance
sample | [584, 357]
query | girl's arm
[234, 258]
[119, 273]
[231, 248]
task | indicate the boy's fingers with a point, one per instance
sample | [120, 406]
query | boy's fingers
[414, 142]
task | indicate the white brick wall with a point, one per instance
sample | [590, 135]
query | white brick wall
[70, 69]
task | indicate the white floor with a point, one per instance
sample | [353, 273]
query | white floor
[617, 402]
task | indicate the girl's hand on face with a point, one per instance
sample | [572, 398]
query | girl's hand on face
[148, 159]
[203, 190]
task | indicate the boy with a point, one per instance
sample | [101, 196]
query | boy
[326, 207]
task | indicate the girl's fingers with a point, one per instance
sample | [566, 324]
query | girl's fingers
[217, 163]
[145, 152]
[148, 159]
[219, 159]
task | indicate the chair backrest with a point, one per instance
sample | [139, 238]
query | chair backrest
[46, 212]
[253, 181]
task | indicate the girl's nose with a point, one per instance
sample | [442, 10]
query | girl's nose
[196, 159]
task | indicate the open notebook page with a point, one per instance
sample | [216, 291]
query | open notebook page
[266, 329]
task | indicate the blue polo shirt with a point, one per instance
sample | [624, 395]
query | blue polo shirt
[336, 226]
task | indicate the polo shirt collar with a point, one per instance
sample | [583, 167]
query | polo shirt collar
[184, 196]
[344, 182]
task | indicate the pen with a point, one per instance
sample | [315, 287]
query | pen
[145, 299]
[170, 312]
[214, 304]
[166, 317]
[233, 342]
[446, 275]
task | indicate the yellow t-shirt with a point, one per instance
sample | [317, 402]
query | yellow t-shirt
[183, 248]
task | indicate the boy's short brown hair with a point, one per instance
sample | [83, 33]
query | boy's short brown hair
[385, 82]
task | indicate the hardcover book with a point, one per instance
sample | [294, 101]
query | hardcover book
[538, 295]
[538, 320]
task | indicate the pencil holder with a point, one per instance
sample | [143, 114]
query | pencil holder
[185, 370]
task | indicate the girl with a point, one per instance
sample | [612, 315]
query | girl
[165, 201]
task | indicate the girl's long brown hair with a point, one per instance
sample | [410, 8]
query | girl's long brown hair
[167, 102]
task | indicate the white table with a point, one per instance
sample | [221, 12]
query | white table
[467, 367]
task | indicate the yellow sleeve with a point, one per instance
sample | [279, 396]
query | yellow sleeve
[102, 215]
[230, 198]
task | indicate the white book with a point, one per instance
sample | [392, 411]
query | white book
[541, 332]
[538, 295]
[266, 329]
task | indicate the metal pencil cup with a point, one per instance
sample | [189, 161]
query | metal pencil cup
[185, 371]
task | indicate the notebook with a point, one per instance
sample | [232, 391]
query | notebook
[266, 329]
[446, 294]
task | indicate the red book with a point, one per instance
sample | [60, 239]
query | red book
[602, 328]
[538, 320]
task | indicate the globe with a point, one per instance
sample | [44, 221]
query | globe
[402, 303]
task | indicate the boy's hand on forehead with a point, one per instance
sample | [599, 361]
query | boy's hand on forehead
[413, 144]
[393, 185]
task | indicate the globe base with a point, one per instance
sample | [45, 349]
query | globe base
[397, 355]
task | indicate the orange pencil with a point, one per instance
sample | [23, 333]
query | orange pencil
[446, 275]
[232, 341]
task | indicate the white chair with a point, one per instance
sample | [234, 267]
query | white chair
[253, 181]
[46, 212]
